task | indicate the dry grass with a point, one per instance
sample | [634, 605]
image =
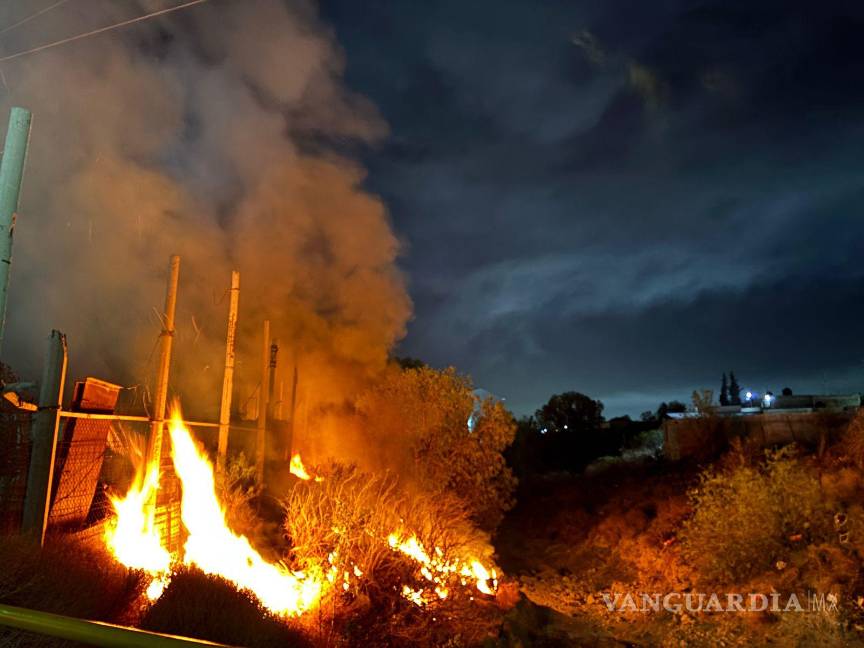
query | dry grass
[65, 577]
[350, 516]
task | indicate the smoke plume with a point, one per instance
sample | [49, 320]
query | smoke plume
[217, 133]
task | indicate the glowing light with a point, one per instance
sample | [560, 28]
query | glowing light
[215, 549]
[299, 470]
[211, 545]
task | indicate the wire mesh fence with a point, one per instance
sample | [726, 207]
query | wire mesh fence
[14, 463]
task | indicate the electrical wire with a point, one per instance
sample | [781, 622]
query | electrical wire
[24, 21]
[101, 30]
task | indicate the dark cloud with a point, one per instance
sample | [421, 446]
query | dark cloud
[625, 198]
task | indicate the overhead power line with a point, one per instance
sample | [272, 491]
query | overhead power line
[24, 21]
[101, 30]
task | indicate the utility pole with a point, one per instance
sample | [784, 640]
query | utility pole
[40, 477]
[228, 376]
[292, 425]
[263, 392]
[11, 174]
[160, 398]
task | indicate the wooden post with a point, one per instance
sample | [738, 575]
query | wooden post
[292, 425]
[44, 436]
[11, 174]
[263, 392]
[160, 397]
[228, 376]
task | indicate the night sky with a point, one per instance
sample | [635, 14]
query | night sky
[622, 198]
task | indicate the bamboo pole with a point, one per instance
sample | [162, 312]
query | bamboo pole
[11, 175]
[92, 633]
[228, 376]
[263, 392]
[160, 398]
[44, 431]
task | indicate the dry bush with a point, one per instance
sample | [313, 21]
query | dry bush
[852, 441]
[239, 493]
[745, 517]
[349, 516]
[208, 607]
[418, 420]
[64, 577]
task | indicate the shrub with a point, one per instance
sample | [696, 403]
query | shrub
[852, 440]
[418, 418]
[65, 577]
[208, 607]
[348, 517]
[745, 517]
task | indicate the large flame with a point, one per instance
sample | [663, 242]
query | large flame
[132, 536]
[214, 548]
[211, 545]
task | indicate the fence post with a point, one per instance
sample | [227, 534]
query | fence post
[263, 392]
[228, 376]
[160, 398]
[44, 437]
[11, 174]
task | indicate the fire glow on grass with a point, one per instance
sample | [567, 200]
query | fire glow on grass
[215, 549]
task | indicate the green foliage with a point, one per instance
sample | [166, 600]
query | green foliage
[745, 516]
[421, 418]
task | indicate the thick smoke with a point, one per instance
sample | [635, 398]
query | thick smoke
[214, 134]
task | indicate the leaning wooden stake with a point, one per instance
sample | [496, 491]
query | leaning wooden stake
[44, 435]
[11, 174]
[228, 376]
[160, 397]
[263, 392]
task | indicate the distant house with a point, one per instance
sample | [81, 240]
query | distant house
[764, 420]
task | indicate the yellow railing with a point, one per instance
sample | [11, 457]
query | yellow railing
[93, 633]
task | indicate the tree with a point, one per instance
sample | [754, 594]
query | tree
[407, 362]
[787, 391]
[570, 411]
[417, 419]
[703, 401]
[734, 390]
[724, 392]
[569, 432]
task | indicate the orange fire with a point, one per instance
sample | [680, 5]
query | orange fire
[299, 470]
[440, 571]
[214, 548]
[211, 545]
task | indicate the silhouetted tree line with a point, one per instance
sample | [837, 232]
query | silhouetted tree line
[569, 432]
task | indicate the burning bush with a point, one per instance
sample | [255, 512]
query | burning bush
[406, 565]
[419, 417]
